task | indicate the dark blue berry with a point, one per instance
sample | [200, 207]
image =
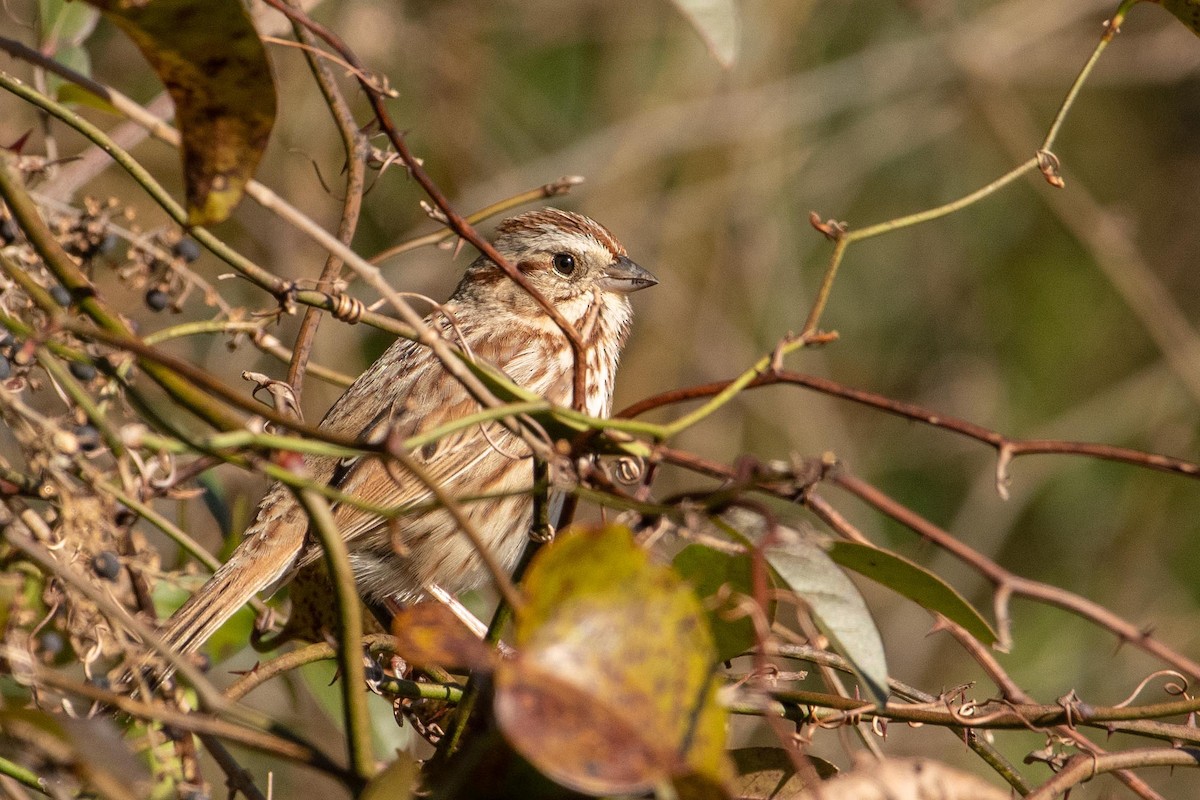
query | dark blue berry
[157, 299]
[8, 231]
[5, 368]
[187, 249]
[60, 295]
[52, 643]
[82, 370]
[89, 438]
[109, 244]
[106, 565]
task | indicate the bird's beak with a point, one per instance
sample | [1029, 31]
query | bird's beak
[624, 276]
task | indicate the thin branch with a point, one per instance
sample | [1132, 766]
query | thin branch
[1043, 160]
[456, 221]
[553, 189]
[1082, 768]
[1013, 692]
[349, 614]
[1008, 448]
[355, 148]
[289, 747]
[1009, 584]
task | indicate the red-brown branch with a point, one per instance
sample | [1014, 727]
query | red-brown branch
[1008, 448]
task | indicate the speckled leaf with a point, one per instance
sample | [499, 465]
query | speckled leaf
[429, 634]
[1186, 11]
[767, 773]
[613, 689]
[914, 582]
[805, 568]
[208, 55]
[708, 570]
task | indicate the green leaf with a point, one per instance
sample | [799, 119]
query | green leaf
[72, 94]
[212, 62]
[64, 23]
[613, 690]
[708, 570]
[65, 26]
[805, 568]
[914, 582]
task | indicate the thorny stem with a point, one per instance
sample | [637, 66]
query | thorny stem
[976, 742]
[1008, 584]
[1012, 691]
[1007, 448]
[375, 643]
[1083, 767]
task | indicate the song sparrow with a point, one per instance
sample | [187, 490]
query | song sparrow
[581, 269]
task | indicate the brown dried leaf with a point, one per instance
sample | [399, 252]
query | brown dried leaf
[430, 635]
[767, 773]
[209, 57]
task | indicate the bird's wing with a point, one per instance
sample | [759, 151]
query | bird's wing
[421, 397]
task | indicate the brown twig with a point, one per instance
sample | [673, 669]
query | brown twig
[356, 148]
[1012, 691]
[1008, 584]
[1084, 767]
[1007, 448]
[290, 747]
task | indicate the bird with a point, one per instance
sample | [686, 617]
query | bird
[584, 272]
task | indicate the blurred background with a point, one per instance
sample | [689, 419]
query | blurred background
[1037, 312]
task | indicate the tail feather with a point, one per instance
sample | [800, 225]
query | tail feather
[208, 609]
[268, 551]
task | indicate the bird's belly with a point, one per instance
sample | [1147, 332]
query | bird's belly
[431, 548]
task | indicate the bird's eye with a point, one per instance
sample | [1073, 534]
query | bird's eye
[564, 263]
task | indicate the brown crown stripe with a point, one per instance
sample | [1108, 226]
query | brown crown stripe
[566, 220]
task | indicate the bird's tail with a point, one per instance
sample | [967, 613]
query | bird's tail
[266, 553]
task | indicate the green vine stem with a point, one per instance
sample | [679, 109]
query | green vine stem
[350, 644]
[1044, 160]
